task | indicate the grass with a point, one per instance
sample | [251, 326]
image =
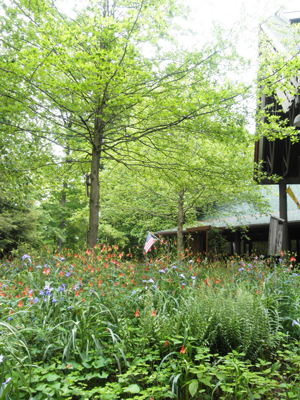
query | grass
[99, 325]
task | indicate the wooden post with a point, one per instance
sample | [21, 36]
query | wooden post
[237, 240]
[283, 215]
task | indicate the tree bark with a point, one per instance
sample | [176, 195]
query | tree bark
[95, 187]
[181, 217]
[63, 197]
[62, 221]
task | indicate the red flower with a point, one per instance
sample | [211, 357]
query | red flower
[137, 313]
[166, 343]
[292, 258]
[182, 350]
[153, 313]
[20, 304]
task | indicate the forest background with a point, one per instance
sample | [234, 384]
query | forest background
[111, 125]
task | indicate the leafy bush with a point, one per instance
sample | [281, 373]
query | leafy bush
[76, 326]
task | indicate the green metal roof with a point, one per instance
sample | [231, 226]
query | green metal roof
[242, 214]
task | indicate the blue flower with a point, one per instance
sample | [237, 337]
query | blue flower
[182, 276]
[193, 277]
[295, 323]
[42, 293]
[62, 258]
[151, 280]
[7, 380]
[25, 257]
[9, 318]
[174, 266]
[162, 271]
[68, 274]
[241, 269]
[35, 300]
[54, 301]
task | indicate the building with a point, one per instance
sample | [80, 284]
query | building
[244, 233]
[281, 157]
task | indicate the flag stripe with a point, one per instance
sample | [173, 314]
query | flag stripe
[150, 240]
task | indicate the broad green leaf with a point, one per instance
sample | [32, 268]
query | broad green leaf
[193, 386]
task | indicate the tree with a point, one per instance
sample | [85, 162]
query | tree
[18, 225]
[203, 173]
[85, 84]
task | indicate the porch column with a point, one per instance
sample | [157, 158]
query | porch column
[237, 241]
[283, 215]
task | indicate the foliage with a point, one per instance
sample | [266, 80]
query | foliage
[204, 174]
[277, 75]
[18, 226]
[107, 100]
[99, 326]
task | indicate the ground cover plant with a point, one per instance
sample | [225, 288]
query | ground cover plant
[102, 325]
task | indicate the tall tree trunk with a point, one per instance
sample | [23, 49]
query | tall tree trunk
[94, 194]
[62, 221]
[63, 196]
[181, 217]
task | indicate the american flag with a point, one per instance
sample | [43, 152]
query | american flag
[150, 240]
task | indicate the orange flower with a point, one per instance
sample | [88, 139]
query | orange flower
[292, 258]
[182, 350]
[137, 313]
[153, 313]
[20, 304]
[166, 343]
